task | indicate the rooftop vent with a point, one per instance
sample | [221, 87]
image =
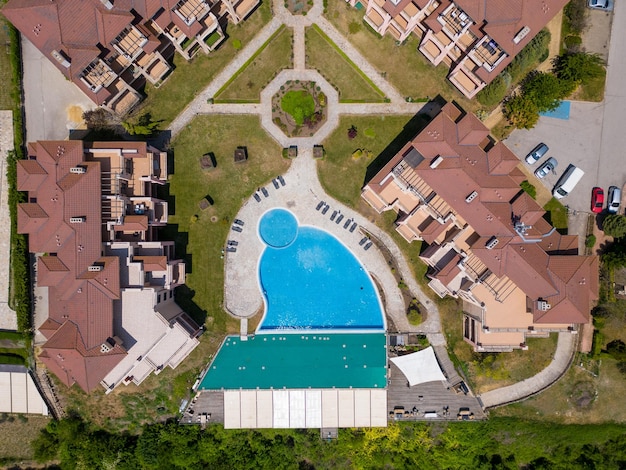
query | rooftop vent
[107, 346]
[470, 197]
[107, 4]
[61, 59]
[543, 306]
[521, 35]
[77, 220]
[435, 163]
[95, 268]
[491, 243]
[78, 170]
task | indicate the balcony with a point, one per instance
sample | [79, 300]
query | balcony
[155, 209]
[454, 21]
[98, 75]
[129, 43]
[488, 54]
[191, 10]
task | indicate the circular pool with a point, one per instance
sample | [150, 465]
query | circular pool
[278, 228]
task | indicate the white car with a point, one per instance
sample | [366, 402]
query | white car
[605, 5]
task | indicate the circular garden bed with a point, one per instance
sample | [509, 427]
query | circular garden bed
[299, 108]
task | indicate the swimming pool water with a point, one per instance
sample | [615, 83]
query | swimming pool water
[322, 360]
[310, 280]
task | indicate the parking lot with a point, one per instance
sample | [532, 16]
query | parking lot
[594, 136]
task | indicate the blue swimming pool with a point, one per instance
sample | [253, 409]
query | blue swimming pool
[310, 280]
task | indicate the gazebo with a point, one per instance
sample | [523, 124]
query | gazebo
[207, 161]
[241, 154]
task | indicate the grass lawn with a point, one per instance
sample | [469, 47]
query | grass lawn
[6, 101]
[275, 55]
[404, 66]
[16, 434]
[593, 90]
[166, 102]
[556, 215]
[343, 176]
[199, 242]
[590, 392]
[324, 56]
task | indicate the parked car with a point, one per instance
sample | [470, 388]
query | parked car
[614, 199]
[567, 182]
[546, 167]
[605, 5]
[536, 154]
[597, 200]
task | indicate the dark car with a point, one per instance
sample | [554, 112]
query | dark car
[546, 167]
[536, 154]
[597, 200]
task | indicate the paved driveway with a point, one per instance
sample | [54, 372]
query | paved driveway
[594, 138]
[53, 104]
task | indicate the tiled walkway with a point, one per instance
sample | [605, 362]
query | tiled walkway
[8, 319]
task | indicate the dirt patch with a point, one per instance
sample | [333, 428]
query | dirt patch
[583, 395]
[75, 114]
[298, 7]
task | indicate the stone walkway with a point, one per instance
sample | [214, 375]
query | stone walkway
[302, 192]
[8, 318]
[565, 349]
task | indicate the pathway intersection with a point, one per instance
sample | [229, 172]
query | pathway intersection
[303, 192]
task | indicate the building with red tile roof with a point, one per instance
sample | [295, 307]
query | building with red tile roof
[92, 222]
[458, 190]
[110, 49]
[477, 39]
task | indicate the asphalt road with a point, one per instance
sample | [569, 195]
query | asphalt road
[594, 136]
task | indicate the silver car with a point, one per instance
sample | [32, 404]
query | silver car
[614, 200]
[536, 154]
[546, 167]
[604, 5]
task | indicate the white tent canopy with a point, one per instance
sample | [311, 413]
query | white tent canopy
[419, 367]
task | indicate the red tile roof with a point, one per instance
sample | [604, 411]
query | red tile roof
[470, 163]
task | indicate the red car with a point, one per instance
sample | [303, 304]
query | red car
[597, 200]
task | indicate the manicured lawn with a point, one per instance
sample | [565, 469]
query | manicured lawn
[404, 66]
[593, 90]
[200, 243]
[298, 104]
[343, 176]
[166, 102]
[275, 56]
[6, 101]
[557, 215]
[340, 71]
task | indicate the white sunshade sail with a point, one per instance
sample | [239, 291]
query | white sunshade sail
[419, 367]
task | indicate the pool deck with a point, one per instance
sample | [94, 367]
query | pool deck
[301, 194]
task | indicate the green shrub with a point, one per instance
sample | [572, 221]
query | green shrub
[573, 43]
[237, 44]
[529, 56]
[521, 112]
[615, 225]
[369, 133]
[299, 105]
[354, 27]
[590, 241]
[579, 67]
[576, 16]
[598, 340]
[495, 92]
[529, 188]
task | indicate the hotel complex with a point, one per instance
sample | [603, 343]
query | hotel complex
[475, 39]
[92, 217]
[458, 191]
[111, 49]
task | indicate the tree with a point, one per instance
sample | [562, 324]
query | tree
[578, 67]
[98, 119]
[615, 225]
[352, 132]
[142, 125]
[546, 90]
[521, 112]
[495, 92]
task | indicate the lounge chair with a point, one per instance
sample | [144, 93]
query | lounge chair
[282, 180]
[237, 228]
[334, 214]
[275, 183]
[231, 249]
[368, 246]
[347, 224]
[339, 219]
[363, 240]
[257, 197]
[353, 227]
[239, 222]
[233, 242]
[325, 209]
[319, 205]
[265, 193]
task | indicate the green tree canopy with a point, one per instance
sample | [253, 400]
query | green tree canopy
[298, 104]
[615, 225]
[578, 67]
[546, 90]
[521, 112]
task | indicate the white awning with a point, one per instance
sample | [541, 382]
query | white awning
[419, 367]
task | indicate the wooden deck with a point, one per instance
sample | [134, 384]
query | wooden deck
[210, 403]
[427, 398]
[446, 365]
